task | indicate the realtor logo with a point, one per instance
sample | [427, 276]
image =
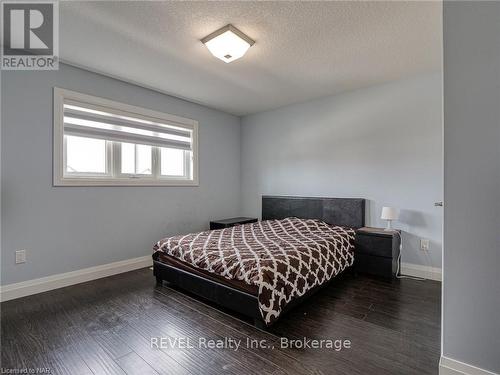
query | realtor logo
[30, 39]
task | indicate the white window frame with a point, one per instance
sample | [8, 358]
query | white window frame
[83, 179]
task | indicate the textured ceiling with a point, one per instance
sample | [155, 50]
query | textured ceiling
[303, 50]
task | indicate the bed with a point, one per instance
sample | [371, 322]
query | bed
[263, 269]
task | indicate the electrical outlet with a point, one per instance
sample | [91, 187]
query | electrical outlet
[424, 244]
[20, 256]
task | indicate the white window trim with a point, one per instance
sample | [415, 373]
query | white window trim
[60, 179]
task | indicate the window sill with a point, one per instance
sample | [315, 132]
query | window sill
[122, 182]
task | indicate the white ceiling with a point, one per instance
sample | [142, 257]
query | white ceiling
[303, 50]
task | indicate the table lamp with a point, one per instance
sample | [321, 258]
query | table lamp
[389, 214]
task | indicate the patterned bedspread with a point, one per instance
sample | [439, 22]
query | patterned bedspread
[283, 258]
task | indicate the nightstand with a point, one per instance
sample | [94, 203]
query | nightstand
[226, 223]
[376, 251]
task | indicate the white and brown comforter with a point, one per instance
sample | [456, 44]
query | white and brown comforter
[283, 258]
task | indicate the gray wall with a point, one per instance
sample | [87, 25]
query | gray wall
[69, 228]
[471, 287]
[382, 143]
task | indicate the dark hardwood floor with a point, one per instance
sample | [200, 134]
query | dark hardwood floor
[106, 327]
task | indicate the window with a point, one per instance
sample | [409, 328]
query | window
[101, 142]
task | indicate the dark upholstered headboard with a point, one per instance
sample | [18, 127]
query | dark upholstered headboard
[347, 212]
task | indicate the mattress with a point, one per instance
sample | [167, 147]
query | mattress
[281, 260]
[233, 283]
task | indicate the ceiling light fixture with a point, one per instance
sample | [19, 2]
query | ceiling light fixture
[228, 43]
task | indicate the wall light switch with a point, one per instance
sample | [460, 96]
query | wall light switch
[20, 256]
[424, 244]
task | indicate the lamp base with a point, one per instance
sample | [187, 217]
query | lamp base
[389, 226]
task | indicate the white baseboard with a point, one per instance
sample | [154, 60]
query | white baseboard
[448, 366]
[26, 288]
[417, 270]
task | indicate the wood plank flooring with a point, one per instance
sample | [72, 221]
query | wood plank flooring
[106, 326]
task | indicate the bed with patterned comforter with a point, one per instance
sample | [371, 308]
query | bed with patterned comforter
[283, 259]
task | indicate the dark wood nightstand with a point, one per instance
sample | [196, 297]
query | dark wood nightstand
[226, 223]
[376, 251]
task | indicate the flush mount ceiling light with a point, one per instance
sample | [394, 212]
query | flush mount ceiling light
[228, 43]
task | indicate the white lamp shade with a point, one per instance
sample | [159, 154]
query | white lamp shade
[389, 213]
[228, 46]
[228, 43]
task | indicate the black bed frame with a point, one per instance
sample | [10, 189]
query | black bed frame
[349, 212]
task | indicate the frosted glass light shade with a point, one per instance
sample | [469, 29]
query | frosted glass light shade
[228, 43]
[389, 213]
